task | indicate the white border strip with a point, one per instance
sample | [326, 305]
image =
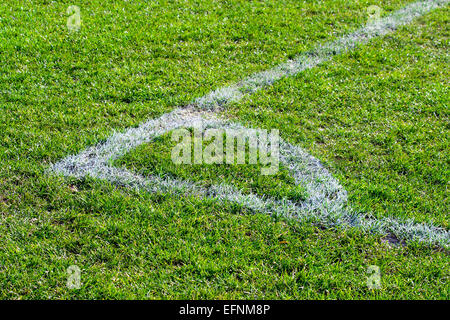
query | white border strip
[327, 201]
[320, 54]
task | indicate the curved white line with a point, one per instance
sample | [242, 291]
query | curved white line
[327, 201]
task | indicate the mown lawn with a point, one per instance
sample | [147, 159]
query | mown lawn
[377, 117]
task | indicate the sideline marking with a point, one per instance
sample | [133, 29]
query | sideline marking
[327, 201]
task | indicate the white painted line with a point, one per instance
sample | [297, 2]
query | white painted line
[319, 55]
[327, 199]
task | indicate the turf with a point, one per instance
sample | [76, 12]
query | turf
[156, 159]
[377, 117]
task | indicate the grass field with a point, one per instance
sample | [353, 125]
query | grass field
[377, 117]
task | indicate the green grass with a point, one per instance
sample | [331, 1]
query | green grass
[155, 159]
[377, 117]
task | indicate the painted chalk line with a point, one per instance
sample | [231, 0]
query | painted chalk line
[327, 201]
